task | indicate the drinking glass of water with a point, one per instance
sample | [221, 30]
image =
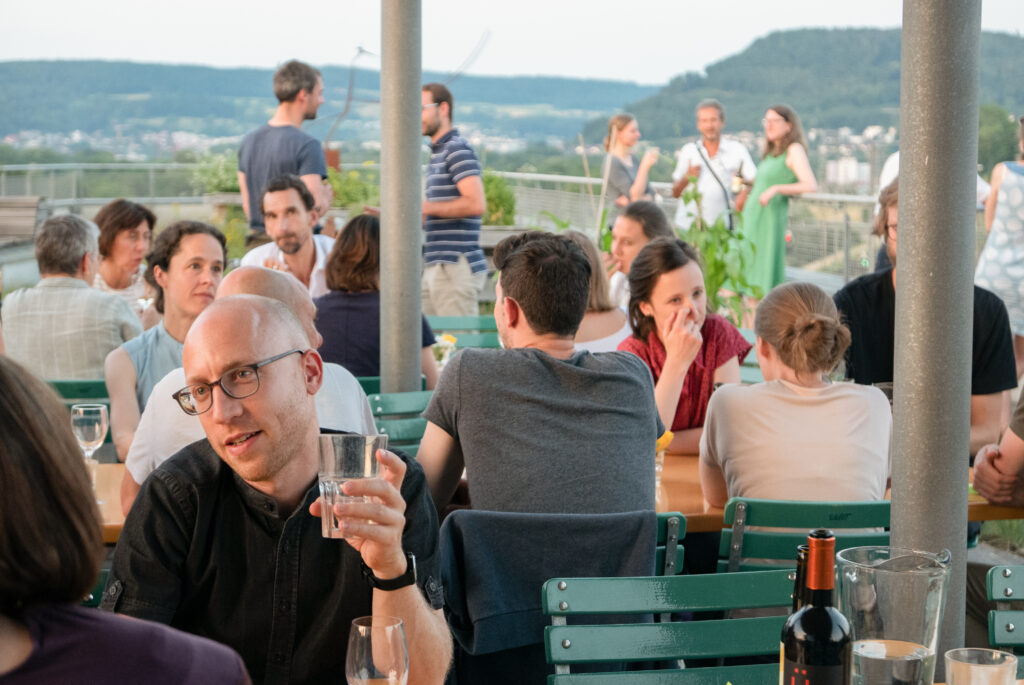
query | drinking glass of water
[89, 423]
[376, 652]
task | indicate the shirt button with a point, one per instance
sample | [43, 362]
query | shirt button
[267, 506]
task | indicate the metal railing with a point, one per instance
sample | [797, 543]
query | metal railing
[829, 234]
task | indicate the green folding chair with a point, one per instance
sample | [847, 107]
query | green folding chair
[668, 552]
[1004, 585]
[567, 646]
[95, 595]
[743, 548]
[469, 331]
[750, 370]
[484, 322]
[397, 415]
[74, 392]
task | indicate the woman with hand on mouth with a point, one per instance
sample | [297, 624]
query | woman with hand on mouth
[185, 267]
[687, 349]
[126, 231]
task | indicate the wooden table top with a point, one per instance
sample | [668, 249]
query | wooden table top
[681, 479]
[108, 491]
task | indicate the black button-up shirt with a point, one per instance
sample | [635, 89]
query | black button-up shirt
[203, 551]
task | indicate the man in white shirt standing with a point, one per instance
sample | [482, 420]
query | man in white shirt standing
[715, 161]
[289, 214]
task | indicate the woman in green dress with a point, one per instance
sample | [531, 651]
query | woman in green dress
[783, 171]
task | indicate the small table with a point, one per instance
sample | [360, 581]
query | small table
[108, 490]
[680, 477]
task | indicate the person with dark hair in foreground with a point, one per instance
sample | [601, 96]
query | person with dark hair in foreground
[523, 419]
[224, 539]
[51, 547]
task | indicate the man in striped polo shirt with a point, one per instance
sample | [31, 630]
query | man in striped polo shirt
[455, 267]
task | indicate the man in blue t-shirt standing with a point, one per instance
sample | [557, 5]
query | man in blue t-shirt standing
[279, 147]
[455, 267]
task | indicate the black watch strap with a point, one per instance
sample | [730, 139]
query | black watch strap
[407, 578]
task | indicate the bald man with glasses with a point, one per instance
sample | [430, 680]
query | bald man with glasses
[224, 539]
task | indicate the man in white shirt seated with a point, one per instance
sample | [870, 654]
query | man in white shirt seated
[715, 161]
[289, 214]
[164, 429]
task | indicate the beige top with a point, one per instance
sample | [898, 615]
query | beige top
[134, 294]
[777, 440]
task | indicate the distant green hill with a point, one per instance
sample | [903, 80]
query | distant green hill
[832, 77]
[133, 98]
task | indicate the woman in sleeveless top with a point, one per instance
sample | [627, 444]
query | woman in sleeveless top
[186, 265]
[796, 435]
[783, 171]
[126, 230]
[1001, 265]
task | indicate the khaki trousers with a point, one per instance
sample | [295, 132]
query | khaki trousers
[451, 289]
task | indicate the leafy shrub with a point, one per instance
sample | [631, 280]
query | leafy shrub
[354, 188]
[217, 174]
[501, 201]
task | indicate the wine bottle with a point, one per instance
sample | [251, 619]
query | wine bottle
[800, 594]
[816, 646]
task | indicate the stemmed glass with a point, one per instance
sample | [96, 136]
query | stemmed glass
[376, 652]
[89, 422]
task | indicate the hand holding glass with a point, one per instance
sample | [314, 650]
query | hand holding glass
[376, 652]
[344, 458]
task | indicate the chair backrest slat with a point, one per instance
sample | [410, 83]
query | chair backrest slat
[567, 645]
[739, 544]
[1004, 585]
[753, 674]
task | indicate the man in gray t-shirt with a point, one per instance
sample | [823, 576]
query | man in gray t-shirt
[539, 426]
[280, 147]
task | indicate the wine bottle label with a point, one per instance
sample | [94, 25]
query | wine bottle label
[804, 674]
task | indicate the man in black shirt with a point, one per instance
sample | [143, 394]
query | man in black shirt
[868, 307]
[224, 541]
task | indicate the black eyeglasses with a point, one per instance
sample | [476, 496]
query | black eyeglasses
[238, 383]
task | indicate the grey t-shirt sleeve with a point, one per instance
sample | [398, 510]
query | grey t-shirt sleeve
[311, 159]
[443, 409]
[642, 370]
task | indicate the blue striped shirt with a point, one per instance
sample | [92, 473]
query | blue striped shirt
[451, 160]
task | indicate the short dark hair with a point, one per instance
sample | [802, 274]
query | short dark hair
[166, 245]
[652, 220]
[439, 93]
[549, 276]
[293, 77]
[62, 242]
[660, 256]
[354, 263]
[293, 182]
[49, 553]
[117, 216]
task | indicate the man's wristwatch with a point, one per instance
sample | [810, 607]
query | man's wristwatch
[407, 578]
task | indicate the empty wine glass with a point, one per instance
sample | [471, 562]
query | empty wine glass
[89, 423]
[376, 652]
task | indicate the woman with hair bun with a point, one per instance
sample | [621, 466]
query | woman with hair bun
[797, 436]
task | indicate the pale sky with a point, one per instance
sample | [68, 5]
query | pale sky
[648, 41]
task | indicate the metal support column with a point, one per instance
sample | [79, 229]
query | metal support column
[400, 189]
[935, 273]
